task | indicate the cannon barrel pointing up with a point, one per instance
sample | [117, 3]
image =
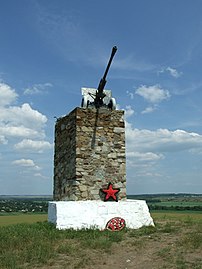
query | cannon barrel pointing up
[96, 98]
[98, 102]
[114, 49]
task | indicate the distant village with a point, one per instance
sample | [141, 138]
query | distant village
[39, 204]
[33, 205]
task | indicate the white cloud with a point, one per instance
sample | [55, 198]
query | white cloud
[33, 145]
[24, 115]
[146, 148]
[172, 71]
[149, 109]
[145, 156]
[39, 175]
[20, 131]
[130, 94]
[153, 94]
[26, 163]
[18, 121]
[7, 94]
[161, 140]
[37, 89]
[3, 140]
[129, 111]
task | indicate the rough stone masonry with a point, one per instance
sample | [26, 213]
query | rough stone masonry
[89, 153]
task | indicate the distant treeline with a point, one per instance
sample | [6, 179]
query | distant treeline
[27, 197]
[174, 208]
[165, 195]
[171, 201]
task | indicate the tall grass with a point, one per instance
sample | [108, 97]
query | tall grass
[34, 245]
[25, 245]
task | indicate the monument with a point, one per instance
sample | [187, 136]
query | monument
[90, 167]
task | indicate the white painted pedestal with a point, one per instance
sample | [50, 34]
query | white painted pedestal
[96, 214]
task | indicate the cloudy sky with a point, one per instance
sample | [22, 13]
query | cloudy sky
[49, 49]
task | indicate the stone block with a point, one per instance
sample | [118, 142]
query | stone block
[82, 188]
[119, 130]
[95, 214]
[112, 155]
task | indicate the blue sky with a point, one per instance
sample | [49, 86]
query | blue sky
[50, 49]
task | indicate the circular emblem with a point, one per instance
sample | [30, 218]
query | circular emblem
[116, 224]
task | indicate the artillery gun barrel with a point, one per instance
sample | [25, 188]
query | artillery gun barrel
[103, 80]
[114, 49]
[98, 95]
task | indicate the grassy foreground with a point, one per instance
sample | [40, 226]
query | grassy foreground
[174, 242]
[28, 245]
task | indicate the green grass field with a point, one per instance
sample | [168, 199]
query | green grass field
[28, 241]
[8, 219]
[179, 215]
[179, 203]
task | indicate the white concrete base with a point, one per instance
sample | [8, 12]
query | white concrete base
[96, 214]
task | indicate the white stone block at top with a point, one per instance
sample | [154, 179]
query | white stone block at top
[92, 91]
[96, 214]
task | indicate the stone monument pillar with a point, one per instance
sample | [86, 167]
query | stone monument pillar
[90, 173]
[90, 167]
[89, 154]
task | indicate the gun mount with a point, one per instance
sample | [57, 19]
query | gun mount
[100, 97]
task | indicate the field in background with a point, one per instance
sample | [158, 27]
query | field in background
[9, 219]
[172, 202]
[30, 209]
[156, 215]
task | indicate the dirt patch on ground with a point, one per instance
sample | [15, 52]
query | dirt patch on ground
[169, 245]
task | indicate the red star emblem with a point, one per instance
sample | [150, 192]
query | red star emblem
[110, 193]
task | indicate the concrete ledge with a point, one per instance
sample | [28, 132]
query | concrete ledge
[92, 213]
